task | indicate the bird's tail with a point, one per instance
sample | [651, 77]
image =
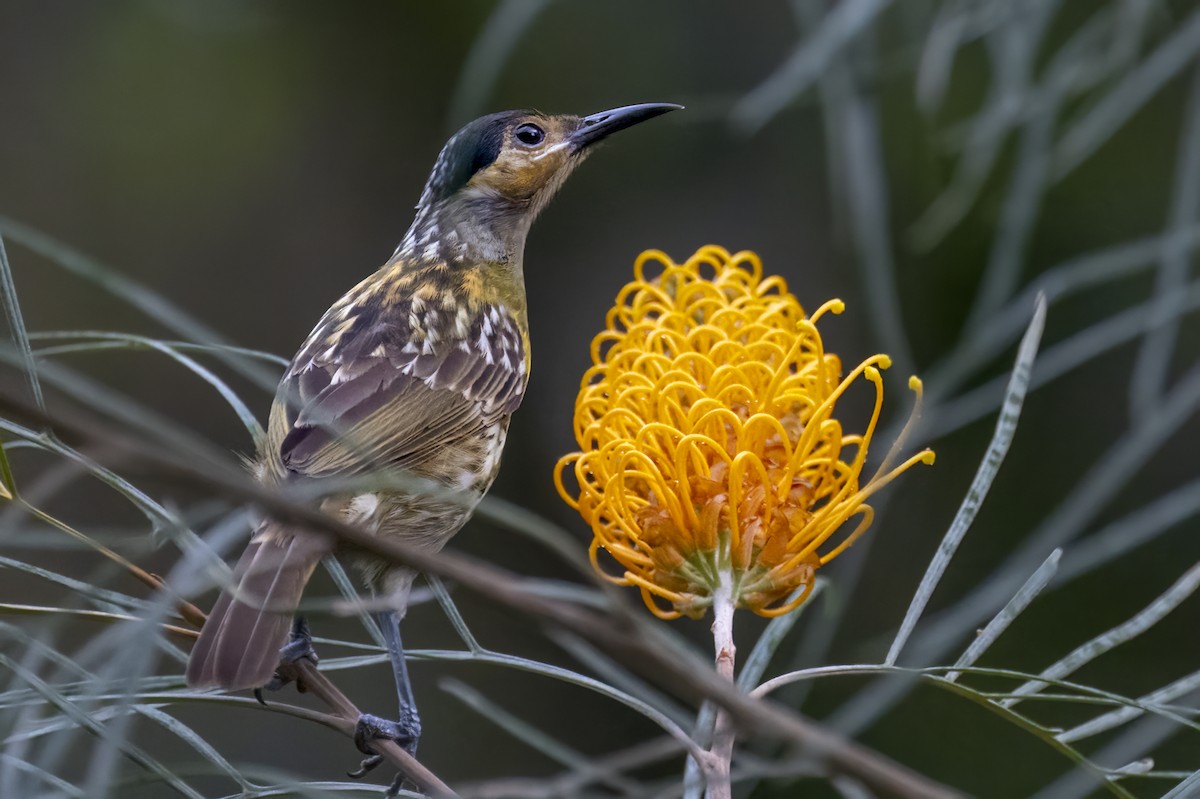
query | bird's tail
[239, 644]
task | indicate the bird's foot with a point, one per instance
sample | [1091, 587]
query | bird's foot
[299, 647]
[406, 732]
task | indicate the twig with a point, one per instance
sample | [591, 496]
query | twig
[324, 689]
[94, 615]
[187, 610]
[346, 714]
[616, 630]
[718, 767]
[8, 491]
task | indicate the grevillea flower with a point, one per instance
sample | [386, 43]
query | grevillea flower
[710, 454]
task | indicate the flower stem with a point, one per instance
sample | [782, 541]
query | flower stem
[719, 783]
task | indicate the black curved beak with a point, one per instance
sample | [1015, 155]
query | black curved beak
[598, 126]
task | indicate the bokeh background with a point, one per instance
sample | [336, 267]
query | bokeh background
[251, 161]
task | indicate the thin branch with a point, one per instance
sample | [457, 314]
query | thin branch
[717, 769]
[93, 615]
[322, 688]
[308, 678]
[617, 629]
[186, 609]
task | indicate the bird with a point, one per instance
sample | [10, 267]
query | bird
[416, 370]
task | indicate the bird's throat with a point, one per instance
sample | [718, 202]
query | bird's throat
[468, 229]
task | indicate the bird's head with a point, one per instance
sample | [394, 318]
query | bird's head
[496, 174]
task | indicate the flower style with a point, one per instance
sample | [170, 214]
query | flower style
[711, 459]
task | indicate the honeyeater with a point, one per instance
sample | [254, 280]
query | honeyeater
[416, 369]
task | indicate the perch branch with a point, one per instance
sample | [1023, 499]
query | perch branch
[615, 628]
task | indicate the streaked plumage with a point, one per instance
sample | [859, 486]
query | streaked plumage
[416, 369]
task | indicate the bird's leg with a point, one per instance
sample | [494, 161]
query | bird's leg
[405, 731]
[299, 647]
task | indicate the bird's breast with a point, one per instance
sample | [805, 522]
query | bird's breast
[418, 372]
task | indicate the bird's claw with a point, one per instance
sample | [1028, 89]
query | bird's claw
[368, 764]
[299, 647]
[406, 732]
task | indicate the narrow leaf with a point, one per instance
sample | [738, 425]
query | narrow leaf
[1006, 428]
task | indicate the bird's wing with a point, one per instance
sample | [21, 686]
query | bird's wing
[388, 392]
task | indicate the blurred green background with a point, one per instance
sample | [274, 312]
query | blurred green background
[252, 161]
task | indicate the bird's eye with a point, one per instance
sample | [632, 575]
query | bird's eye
[530, 135]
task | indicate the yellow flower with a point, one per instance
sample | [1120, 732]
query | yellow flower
[710, 453]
